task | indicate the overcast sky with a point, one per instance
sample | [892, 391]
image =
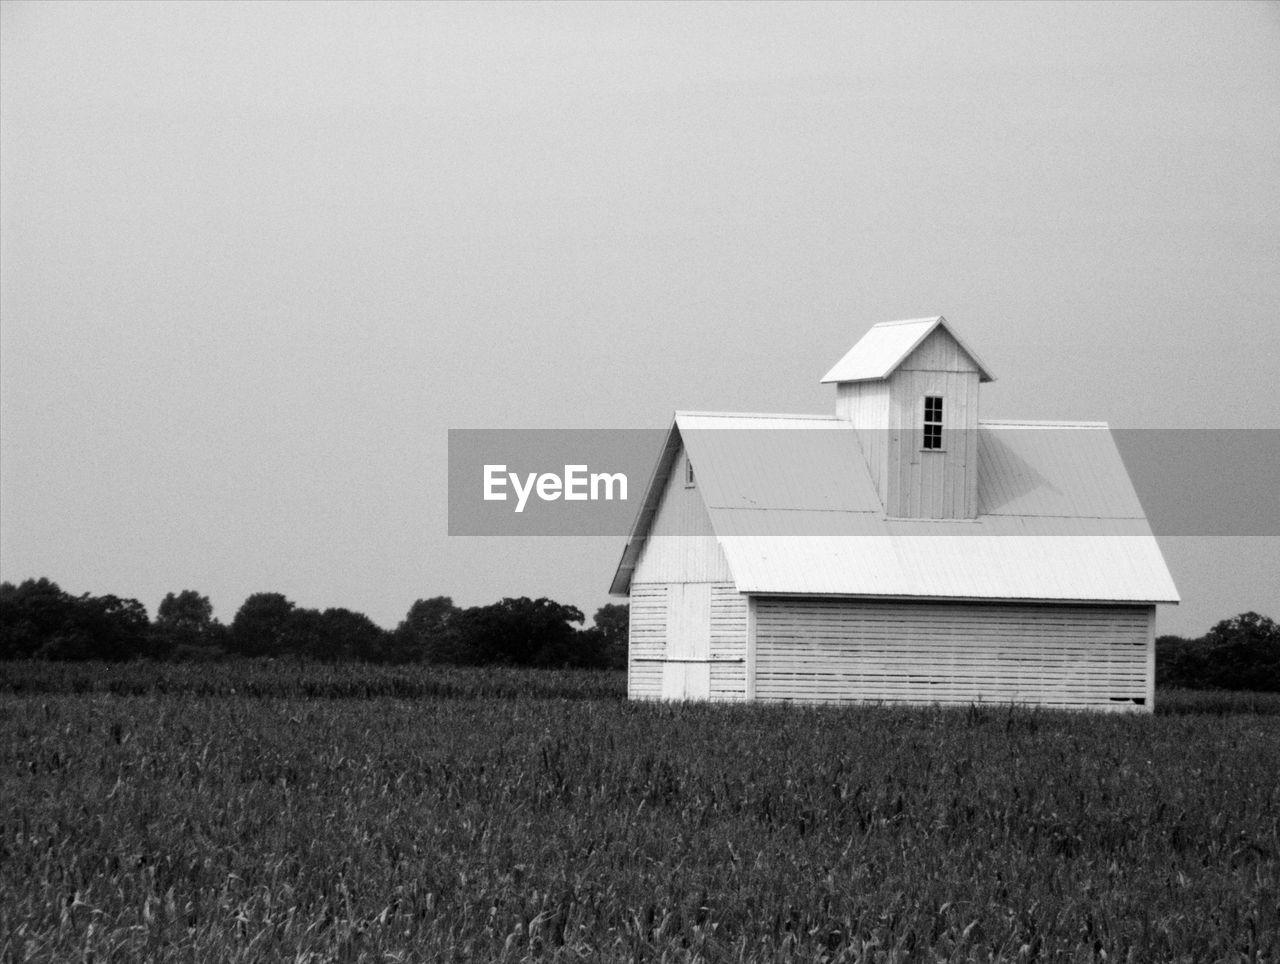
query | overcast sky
[257, 259]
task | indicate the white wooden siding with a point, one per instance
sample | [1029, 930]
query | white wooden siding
[888, 416]
[687, 641]
[932, 484]
[728, 643]
[866, 405]
[816, 650]
[682, 546]
[939, 352]
[686, 674]
[689, 621]
[646, 641]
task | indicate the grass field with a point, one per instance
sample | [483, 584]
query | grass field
[145, 820]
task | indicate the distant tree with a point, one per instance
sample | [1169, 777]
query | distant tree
[304, 635]
[101, 627]
[1241, 653]
[1244, 653]
[184, 627]
[589, 649]
[1181, 661]
[186, 612]
[336, 634]
[428, 633]
[604, 644]
[520, 632]
[38, 619]
[31, 614]
[264, 626]
[613, 620]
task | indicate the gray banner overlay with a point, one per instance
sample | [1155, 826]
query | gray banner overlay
[569, 482]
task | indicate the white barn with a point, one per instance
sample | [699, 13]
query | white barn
[901, 550]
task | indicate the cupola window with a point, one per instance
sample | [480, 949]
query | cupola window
[932, 422]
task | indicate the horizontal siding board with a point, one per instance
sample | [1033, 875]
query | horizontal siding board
[870, 651]
[644, 682]
[646, 641]
[728, 681]
[728, 643]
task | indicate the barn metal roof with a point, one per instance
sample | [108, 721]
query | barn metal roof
[887, 345]
[795, 510]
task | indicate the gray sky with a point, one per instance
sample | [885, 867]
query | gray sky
[256, 259]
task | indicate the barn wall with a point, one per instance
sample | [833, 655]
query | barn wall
[940, 352]
[681, 564]
[661, 665]
[728, 643]
[933, 484]
[1081, 657]
[866, 405]
[646, 641]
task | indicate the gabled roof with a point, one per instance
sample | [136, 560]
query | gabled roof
[886, 346]
[795, 511]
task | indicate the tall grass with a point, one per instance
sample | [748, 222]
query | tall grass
[1216, 702]
[180, 827]
[308, 679]
[316, 680]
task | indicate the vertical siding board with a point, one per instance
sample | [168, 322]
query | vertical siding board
[940, 352]
[664, 661]
[866, 406]
[933, 485]
[900, 442]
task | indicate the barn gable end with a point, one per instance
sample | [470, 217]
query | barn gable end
[681, 545]
[688, 620]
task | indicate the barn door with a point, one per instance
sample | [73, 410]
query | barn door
[687, 673]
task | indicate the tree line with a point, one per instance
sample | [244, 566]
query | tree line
[1240, 653]
[38, 620]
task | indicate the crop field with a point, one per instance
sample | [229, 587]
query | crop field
[183, 813]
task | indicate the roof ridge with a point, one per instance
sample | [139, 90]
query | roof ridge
[780, 415]
[1041, 423]
[907, 321]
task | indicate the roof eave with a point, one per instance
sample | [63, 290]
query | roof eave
[1048, 600]
[621, 584]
